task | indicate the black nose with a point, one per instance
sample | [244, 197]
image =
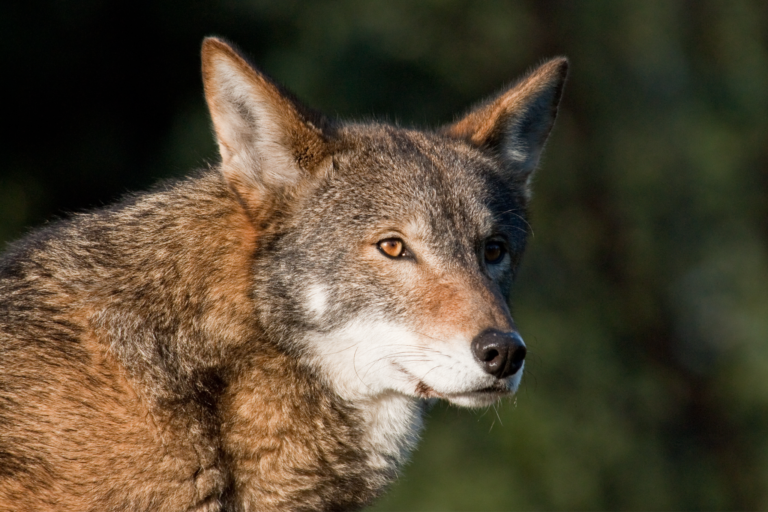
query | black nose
[500, 353]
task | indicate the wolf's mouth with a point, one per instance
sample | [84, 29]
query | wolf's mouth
[424, 390]
[496, 388]
[499, 389]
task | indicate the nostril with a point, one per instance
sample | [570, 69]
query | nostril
[490, 355]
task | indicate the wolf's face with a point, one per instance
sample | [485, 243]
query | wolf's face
[388, 255]
[398, 262]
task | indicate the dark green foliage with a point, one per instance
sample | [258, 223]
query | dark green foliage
[644, 295]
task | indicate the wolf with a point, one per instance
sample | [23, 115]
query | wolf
[265, 335]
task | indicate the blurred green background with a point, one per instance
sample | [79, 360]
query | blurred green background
[644, 296]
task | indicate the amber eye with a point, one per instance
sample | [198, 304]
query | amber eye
[392, 247]
[494, 253]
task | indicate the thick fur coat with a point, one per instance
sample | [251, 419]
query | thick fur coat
[264, 335]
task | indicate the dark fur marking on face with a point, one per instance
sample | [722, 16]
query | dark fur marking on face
[425, 391]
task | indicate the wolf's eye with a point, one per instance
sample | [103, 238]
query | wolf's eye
[494, 253]
[392, 247]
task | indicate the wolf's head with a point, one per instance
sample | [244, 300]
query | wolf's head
[385, 255]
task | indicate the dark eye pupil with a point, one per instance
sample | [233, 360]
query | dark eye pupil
[493, 253]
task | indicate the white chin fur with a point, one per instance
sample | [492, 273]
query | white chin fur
[475, 400]
[481, 399]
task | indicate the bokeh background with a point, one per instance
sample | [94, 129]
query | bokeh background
[644, 296]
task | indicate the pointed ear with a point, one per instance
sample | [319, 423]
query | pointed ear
[268, 141]
[515, 125]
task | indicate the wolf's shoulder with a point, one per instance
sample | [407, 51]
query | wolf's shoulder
[169, 203]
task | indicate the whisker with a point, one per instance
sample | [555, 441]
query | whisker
[354, 367]
[496, 410]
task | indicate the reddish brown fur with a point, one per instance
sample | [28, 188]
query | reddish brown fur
[454, 306]
[102, 440]
[113, 434]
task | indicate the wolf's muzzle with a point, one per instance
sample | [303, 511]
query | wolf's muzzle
[501, 354]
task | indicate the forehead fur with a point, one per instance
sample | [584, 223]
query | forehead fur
[400, 172]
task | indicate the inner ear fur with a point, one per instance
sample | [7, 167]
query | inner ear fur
[515, 124]
[269, 142]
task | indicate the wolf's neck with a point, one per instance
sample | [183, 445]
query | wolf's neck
[284, 433]
[392, 424]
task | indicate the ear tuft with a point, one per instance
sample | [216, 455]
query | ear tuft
[267, 139]
[515, 124]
